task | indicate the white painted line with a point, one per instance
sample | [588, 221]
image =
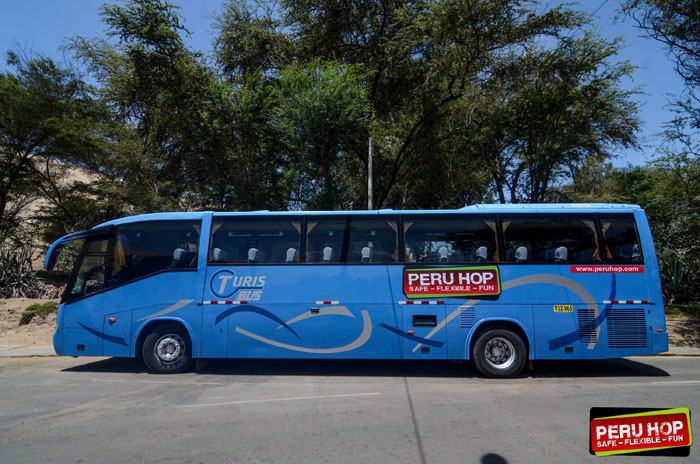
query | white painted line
[160, 382]
[270, 400]
[676, 382]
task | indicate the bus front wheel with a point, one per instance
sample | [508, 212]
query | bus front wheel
[499, 353]
[167, 350]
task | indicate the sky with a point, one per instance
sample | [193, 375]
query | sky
[42, 26]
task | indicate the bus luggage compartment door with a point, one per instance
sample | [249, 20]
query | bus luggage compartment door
[421, 337]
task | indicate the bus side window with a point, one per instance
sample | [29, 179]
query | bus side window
[557, 238]
[254, 240]
[352, 239]
[621, 238]
[145, 248]
[441, 239]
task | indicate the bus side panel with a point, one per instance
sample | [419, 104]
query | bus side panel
[306, 311]
[86, 327]
[166, 296]
[117, 330]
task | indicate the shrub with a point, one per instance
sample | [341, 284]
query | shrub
[17, 279]
[679, 279]
[38, 309]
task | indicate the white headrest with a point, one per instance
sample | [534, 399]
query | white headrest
[178, 253]
[442, 252]
[327, 254]
[561, 253]
[291, 253]
[221, 255]
[521, 253]
[366, 252]
[481, 252]
[253, 254]
[635, 251]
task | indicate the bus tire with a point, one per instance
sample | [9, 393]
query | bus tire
[499, 353]
[167, 349]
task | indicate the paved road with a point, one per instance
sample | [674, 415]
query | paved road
[111, 410]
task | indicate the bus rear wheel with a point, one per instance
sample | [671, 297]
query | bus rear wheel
[499, 353]
[167, 350]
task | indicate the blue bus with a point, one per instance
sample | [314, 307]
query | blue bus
[499, 285]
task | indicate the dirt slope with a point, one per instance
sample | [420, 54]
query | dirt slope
[38, 332]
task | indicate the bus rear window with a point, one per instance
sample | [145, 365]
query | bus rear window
[250, 239]
[621, 238]
[550, 239]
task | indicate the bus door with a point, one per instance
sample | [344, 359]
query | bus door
[84, 302]
[423, 337]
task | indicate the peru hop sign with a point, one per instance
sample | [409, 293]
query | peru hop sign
[663, 432]
[451, 282]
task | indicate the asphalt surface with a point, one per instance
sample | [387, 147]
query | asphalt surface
[247, 411]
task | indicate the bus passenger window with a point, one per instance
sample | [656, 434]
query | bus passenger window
[145, 248]
[450, 239]
[550, 239]
[352, 239]
[254, 240]
[621, 238]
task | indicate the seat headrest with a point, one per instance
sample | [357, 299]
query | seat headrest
[481, 252]
[291, 254]
[561, 253]
[366, 253]
[328, 254]
[521, 253]
[253, 254]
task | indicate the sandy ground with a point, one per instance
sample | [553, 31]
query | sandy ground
[683, 330]
[38, 332]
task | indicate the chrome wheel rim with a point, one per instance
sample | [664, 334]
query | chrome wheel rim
[169, 348]
[499, 353]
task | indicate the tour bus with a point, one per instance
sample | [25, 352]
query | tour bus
[500, 285]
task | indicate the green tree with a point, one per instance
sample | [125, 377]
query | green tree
[553, 110]
[437, 73]
[47, 118]
[322, 117]
[677, 25]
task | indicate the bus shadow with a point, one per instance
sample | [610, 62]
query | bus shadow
[384, 368]
[620, 367]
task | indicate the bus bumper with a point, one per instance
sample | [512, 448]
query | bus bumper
[660, 341]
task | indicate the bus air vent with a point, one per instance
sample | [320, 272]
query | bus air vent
[626, 328]
[586, 325]
[467, 318]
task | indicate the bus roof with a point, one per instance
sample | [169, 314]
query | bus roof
[479, 208]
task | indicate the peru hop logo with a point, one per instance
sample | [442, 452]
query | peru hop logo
[226, 284]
